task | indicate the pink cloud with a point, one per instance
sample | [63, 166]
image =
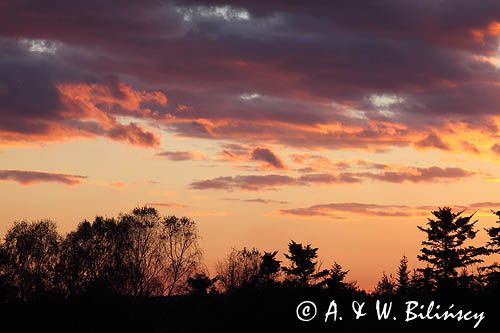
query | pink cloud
[182, 155]
[331, 210]
[249, 183]
[340, 210]
[24, 177]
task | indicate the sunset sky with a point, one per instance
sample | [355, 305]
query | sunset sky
[336, 123]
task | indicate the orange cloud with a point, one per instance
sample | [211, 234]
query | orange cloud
[109, 109]
[118, 184]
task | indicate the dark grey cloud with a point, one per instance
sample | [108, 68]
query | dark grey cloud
[267, 156]
[292, 73]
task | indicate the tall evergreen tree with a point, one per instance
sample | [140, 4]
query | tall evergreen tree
[334, 279]
[386, 285]
[444, 248]
[403, 276]
[494, 233]
[493, 247]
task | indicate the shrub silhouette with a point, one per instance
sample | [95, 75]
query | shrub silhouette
[200, 284]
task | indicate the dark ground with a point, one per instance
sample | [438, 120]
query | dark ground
[244, 311]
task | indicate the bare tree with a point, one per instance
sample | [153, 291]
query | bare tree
[141, 259]
[239, 268]
[181, 253]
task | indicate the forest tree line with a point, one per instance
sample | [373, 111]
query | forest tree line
[142, 253]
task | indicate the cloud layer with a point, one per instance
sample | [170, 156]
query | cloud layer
[379, 172]
[339, 75]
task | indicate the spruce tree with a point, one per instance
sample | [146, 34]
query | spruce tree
[444, 248]
[403, 276]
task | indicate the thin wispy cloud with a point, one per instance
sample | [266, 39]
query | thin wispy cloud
[258, 200]
[182, 155]
[25, 177]
[169, 204]
[343, 210]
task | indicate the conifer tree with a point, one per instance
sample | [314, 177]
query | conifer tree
[303, 265]
[444, 248]
[403, 276]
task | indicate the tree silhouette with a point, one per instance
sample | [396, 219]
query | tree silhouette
[494, 234]
[200, 284]
[240, 268]
[139, 252]
[179, 239]
[415, 281]
[386, 286]
[88, 256]
[493, 247]
[140, 263]
[444, 249]
[403, 276]
[334, 280]
[269, 267]
[30, 253]
[303, 266]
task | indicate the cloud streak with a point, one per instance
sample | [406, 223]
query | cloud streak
[273, 181]
[343, 210]
[182, 155]
[168, 204]
[258, 200]
[24, 177]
